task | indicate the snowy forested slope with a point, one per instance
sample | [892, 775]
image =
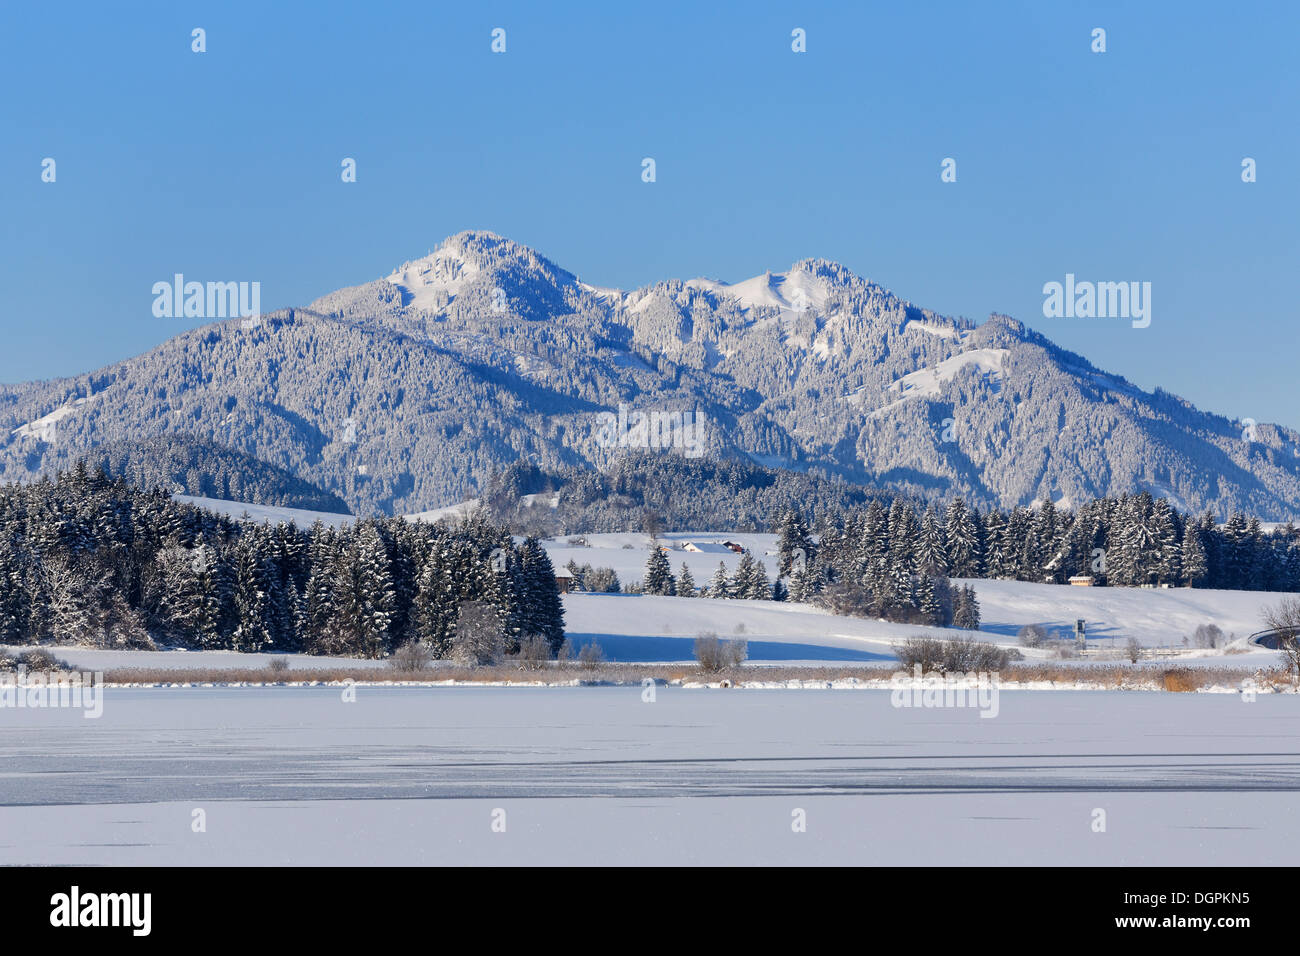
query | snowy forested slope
[406, 393]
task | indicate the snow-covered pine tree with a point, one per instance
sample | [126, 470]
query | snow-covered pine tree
[542, 594]
[196, 595]
[1168, 549]
[1290, 566]
[961, 540]
[904, 535]
[966, 612]
[995, 548]
[1049, 533]
[363, 594]
[1033, 556]
[685, 582]
[658, 573]
[927, 601]
[249, 594]
[874, 542]
[802, 584]
[720, 586]
[399, 537]
[14, 608]
[1254, 553]
[1195, 566]
[742, 579]
[794, 543]
[757, 587]
[931, 550]
[317, 629]
[435, 609]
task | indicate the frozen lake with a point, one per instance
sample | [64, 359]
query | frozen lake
[414, 775]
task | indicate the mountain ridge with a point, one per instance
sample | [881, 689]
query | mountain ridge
[406, 392]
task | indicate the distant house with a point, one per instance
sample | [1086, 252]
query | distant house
[564, 580]
[706, 547]
[734, 546]
[1081, 581]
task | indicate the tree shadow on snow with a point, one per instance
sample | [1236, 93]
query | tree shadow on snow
[643, 649]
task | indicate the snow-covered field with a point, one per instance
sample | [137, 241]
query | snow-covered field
[626, 552]
[651, 629]
[95, 659]
[267, 513]
[660, 629]
[631, 628]
[598, 775]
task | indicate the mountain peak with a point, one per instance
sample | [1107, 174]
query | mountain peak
[506, 356]
[807, 284]
[465, 258]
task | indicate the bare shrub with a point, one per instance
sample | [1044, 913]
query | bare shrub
[1032, 635]
[1284, 620]
[534, 653]
[737, 652]
[924, 651]
[1207, 636]
[1111, 676]
[956, 655]
[708, 651]
[40, 659]
[847, 598]
[714, 654]
[412, 656]
[1133, 649]
[277, 665]
[478, 638]
[591, 655]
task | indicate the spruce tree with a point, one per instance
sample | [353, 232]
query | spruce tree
[794, 543]
[658, 573]
[966, 612]
[961, 540]
[250, 632]
[435, 608]
[757, 587]
[542, 594]
[720, 586]
[1195, 565]
[931, 551]
[685, 583]
[926, 599]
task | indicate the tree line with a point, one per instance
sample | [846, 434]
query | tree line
[89, 559]
[1128, 541]
[909, 594]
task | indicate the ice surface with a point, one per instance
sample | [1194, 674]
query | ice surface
[596, 775]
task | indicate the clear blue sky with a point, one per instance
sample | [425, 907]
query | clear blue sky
[225, 165]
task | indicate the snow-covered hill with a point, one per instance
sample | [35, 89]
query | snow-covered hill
[637, 628]
[267, 514]
[408, 392]
[651, 628]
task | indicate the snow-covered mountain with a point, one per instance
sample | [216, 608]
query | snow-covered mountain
[404, 393]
